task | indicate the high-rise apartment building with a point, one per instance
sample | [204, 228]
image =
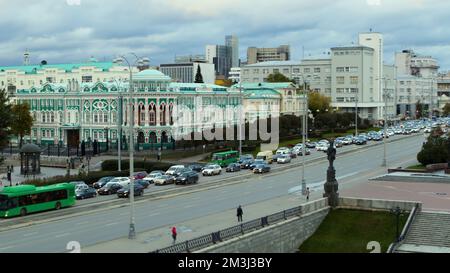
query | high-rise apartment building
[224, 56]
[232, 41]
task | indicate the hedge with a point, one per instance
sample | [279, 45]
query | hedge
[89, 179]
[111, 165]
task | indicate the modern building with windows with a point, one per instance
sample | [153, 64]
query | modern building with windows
[349, 75]
[257, 55]
[224, 56]
[185, 72]
[418, 81]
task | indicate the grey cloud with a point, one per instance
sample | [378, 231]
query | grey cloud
[54, 30]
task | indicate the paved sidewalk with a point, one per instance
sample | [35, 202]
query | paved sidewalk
[161, 237]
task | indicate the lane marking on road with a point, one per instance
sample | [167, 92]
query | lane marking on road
[124, 213]
[189, 206]
[82, 223]
[30, 234]
[154, 214]
[247, 193]
[112, 224]
[62, 235]
[316, 185]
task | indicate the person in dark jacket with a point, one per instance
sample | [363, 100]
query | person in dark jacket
[239, 213]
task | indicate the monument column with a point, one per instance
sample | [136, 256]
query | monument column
[331, 187]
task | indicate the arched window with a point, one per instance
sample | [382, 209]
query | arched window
[171, 114]
[141, 115]
[162, 114]
[152, 114]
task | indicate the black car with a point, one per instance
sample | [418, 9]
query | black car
[102, 182]
[145, 184]
[180, 171]
[187, 178]
[245, 157]
[256, 162]
[85, 193]
[360, 141]
[246, 163]
[233, 167]
[109, 188]
[125, 191]
[196, 167]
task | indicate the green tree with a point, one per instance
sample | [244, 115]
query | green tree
[446, 109]
[6, 119]
[318, 103]
[278, 77]
[22, 121]
[435, 150]
[198, 76]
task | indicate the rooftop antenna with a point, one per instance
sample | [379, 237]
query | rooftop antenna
[26, 57]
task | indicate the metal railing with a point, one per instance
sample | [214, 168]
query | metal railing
[393, 247]
[231, 232]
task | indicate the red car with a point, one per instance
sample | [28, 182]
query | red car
[140, 175]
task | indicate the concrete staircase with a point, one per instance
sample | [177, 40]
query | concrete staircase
[430, 232]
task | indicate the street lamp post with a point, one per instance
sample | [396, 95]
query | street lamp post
[397, 212]
[119, 127]
[384, 163]
[356, 113]
[132, 230]
[240, 118]
[305, 120]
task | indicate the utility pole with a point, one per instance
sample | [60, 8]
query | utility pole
[356, 113]
[384, 163]
[305, 120]
[240, 118]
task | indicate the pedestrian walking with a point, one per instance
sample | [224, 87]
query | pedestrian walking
[307, 194]
[239, 213]
[174, 234]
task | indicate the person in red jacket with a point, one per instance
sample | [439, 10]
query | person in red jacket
[174, 234]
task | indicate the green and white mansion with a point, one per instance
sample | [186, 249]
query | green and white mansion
[70, 113]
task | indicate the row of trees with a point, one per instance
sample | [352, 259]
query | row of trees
[15, 120]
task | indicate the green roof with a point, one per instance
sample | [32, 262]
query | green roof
[31, 69]
[261, 93]
[273, 85]
[29, 189]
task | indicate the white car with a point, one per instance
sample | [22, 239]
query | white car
[123, 181]
[173, 169]
[151, 177]
[282, 151]
[322, 146]
[212, 170]
[284, 159]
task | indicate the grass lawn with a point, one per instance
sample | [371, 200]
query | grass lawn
[349, 231]
[416, 167]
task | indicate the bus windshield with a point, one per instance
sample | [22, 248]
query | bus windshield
[3, 202]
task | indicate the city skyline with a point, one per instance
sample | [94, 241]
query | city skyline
[77, 30]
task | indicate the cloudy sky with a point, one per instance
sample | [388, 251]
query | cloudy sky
[73, 30]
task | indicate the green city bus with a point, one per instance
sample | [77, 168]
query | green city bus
[24, 199]
[225, 158]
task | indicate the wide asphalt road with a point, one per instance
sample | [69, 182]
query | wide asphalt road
[110, 224]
